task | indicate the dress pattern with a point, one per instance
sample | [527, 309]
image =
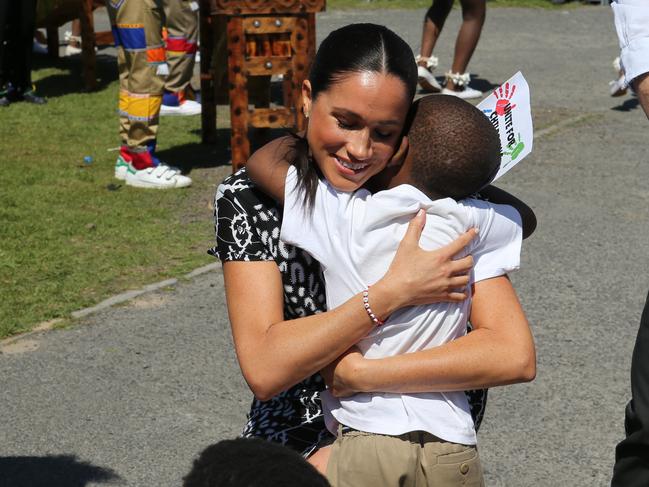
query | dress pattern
[247, 227]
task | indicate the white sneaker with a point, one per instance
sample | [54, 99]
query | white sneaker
[466, 93]
[425, 74]
[121, 168]
[159, 177]
[185, 109]
[71, 50]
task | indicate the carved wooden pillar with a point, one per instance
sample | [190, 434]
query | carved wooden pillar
[238, 79]
[264, 38]
[88, 45]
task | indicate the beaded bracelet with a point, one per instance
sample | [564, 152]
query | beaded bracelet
[366, 304]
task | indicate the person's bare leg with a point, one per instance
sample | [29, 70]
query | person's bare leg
[433, 24]
[473, 16]
[641, 87]
[320, 459]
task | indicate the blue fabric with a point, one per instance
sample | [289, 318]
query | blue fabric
[131, 38]
[170, 99]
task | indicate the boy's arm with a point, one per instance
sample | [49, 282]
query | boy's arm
[500, 196]
[268, 165]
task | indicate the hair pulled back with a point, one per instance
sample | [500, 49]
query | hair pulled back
[355, 48]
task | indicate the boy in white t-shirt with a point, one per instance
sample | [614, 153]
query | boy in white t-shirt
[454, 152]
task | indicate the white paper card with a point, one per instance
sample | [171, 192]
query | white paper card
[509, 111]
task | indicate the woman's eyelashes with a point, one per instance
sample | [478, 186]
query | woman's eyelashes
[378, 134]
[343, 124]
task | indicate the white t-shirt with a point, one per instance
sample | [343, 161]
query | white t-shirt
[355, 236]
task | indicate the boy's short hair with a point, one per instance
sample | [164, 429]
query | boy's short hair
[251, 462]
[454, 148]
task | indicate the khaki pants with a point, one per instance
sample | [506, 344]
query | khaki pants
[414, 459]
[182, 41]
[137, 29]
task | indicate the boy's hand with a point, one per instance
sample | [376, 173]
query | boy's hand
[339, 374]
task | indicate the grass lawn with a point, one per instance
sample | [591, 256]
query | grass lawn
[72, 235]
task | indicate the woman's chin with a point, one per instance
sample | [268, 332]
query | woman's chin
[344, 184]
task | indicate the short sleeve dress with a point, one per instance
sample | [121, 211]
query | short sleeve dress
[247, 225]
[247, 229]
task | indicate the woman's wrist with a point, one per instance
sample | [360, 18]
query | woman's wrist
[383, 300]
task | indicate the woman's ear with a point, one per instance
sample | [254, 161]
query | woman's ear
[306, 97]
[400, 154]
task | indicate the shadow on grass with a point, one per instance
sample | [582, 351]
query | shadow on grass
[193, 156]
[52, 470]
[627, 105]
[60, 84]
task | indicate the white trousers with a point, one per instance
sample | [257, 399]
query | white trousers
[632, 26]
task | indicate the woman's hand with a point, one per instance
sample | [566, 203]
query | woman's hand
[339, 374]
[417, 276]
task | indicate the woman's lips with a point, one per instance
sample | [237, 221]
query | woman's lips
[350, 168]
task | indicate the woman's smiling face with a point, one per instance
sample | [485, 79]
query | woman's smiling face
[354, 126]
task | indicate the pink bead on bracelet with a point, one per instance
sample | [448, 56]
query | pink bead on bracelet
[368, 310]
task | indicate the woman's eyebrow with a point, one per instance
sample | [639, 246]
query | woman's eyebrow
[348, 113]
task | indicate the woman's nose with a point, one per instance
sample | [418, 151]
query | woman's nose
[360, 145]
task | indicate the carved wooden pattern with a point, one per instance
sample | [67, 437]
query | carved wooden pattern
[301, 63]
[272, 117]
[256, 7]
[240, 146]
[261, 45]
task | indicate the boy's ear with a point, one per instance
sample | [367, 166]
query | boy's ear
[400, 154]
[306, 97]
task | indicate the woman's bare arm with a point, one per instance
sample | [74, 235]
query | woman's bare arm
[500, 350]
[275, 354]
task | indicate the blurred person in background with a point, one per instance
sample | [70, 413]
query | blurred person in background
[181, 22]
[17, 24]
[632, 26]
[137, 30]
[458, 78]
[632, 454]
[251, 462]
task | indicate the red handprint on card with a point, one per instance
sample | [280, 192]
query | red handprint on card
[503, 96]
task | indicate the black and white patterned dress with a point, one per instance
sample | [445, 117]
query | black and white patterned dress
[247, 229]
[247, 224]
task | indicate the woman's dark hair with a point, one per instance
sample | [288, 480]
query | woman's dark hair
[355, 48]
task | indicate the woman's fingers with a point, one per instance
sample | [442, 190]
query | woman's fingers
[415, 227]
[456, 297]
[458, 282]
[461, 266]
[456, 246]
